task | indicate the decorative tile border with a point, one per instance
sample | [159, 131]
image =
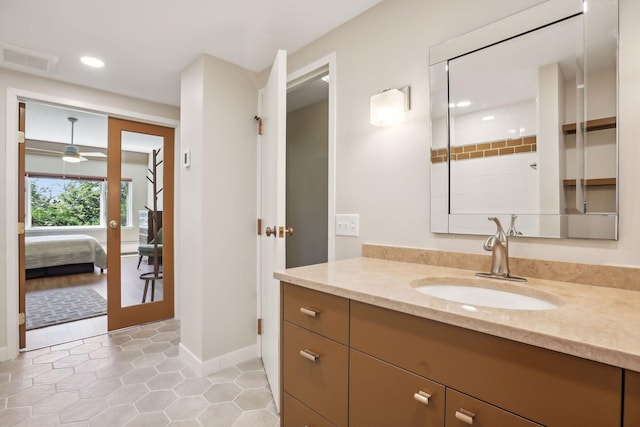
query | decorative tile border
[505, 147]
[586, 274]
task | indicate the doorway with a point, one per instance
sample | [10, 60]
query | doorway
[307, 175]
[68, 208]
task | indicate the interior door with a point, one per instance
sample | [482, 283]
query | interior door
[139, 223]
[273, 205]
[22, 280]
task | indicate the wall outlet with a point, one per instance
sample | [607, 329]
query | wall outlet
[348, 225]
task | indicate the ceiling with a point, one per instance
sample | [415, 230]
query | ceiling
[146, 44]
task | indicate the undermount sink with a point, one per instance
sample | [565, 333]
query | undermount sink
[479, 294]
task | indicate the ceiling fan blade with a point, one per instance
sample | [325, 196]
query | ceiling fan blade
[93, 154]
[43, 150]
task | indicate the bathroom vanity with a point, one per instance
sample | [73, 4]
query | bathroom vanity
[361, 346]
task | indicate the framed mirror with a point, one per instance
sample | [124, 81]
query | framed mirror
[523, 120]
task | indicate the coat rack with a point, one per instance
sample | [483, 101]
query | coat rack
[153, 213]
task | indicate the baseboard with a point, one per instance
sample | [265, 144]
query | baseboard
[215, 364]
[4, 354]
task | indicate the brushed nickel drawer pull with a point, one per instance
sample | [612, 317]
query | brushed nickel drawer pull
[465, 416]
[310, 355]
[309, 311]
[422, 397]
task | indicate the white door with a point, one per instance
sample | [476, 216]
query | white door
[272, 195]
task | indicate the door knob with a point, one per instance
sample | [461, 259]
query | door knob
[270, 231]
[113, 223]
[286, 231]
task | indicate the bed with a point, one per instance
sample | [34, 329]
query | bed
[63, 254]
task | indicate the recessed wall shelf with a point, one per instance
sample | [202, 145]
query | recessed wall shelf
[593, 182]
[591, 125]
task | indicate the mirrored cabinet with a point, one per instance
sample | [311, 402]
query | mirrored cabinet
[524, 122]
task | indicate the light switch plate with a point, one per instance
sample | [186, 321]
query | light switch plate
[348, 225]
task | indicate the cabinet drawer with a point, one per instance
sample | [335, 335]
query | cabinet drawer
[322, 313]
[631, 399]
[548, 387]
[296, 414]
[321, 384]
[463, 411]
[382, 395]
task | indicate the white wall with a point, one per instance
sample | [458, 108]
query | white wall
[511, 121]
[218, 212]
[38, 86]
[383, 173]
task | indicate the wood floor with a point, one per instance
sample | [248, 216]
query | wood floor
[132, 288]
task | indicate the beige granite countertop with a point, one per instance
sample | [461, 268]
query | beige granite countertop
[596, 323]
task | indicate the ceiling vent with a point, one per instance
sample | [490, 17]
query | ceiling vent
[26, 60]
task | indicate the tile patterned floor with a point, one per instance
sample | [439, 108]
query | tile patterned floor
[132, 377]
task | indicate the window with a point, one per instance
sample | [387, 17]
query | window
[60, 201]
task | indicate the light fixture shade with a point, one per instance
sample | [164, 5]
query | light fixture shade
[71, 154]
[387, 107]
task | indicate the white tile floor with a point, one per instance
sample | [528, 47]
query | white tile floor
[132, 377]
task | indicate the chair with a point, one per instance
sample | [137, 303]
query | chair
[147, 249]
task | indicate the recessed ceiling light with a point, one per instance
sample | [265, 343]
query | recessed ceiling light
[487, 118]
[326, 78]
[92, 61]
[463, 104]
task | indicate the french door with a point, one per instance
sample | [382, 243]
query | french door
[140, 276]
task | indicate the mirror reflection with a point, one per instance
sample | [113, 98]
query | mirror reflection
[527, 127]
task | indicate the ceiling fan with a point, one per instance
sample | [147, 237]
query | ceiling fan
[71, 152]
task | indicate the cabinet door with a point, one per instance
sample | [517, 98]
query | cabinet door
[631, 399]
[463, 411]
[296, 414]
[383, 395]
[316, 372]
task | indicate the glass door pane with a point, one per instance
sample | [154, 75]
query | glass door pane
[141, 197]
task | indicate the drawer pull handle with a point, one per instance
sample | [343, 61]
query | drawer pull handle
[309, 311]
[422, 397]
[310, 355]
[465, 416]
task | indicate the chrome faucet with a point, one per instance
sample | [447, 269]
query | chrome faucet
[498, 245]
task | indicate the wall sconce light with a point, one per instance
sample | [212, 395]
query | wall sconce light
[389, 106]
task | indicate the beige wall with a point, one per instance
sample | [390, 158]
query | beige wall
[307, 159]
[218, 210]
[50, 89]
[383, 173]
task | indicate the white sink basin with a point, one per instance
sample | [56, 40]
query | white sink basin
[473, 295]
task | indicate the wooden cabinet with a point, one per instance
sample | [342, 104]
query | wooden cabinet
[631, 399]
[395, 369]
[315, 362]
[300, 415]
[463, 411]
[384, 395]
[548, 387]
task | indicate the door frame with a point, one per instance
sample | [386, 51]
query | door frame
[297, 77]
[14, 97]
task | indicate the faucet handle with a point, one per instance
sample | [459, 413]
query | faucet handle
[512, 227]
